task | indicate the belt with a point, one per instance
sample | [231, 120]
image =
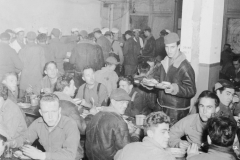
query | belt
[178, 109]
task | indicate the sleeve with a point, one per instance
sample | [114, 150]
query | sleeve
[122, 136]
[73, 57]
[138, 105]
[186, 87]
[70, 145]
[12, 123]
[102, 95]
[149, 47]
[177, 131]
[31, 134]
[75, 115]
[125, 48]
[16, 61]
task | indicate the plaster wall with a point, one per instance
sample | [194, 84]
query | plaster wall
[160, 13]
[63, 14]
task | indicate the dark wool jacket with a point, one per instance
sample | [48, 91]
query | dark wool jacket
[149, 47]
[86, 53]
[106, 133]
[139, 103]
[131, 50]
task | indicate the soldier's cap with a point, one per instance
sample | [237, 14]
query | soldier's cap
[223, 83]
[114, 30]
[104, 30]
[171, 38]
[96, 29]
[56, 32]
[83, 33]
[43, 30]
[120, 95]
[31, 35]
[74, 30]
[108, 33]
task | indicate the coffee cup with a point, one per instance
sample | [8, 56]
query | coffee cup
[140, 119]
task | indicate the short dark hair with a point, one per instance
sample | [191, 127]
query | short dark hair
[208, 94]
[88, 67]
[164, 32]
[3, 91]
[98, 31]
[63, 82]
[50, 62]
[148, 29]
[156, 118]
[236, 58]
[49, 97]
[227, 45]
[130, 33]
[128, 78]
[144, 67]
[42, 37]
[222, 131]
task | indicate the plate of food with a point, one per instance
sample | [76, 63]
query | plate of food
[24, 105]
[19, 154]
[149, 82]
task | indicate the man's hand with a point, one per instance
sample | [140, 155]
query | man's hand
[33, 152]
[147, 87]
[192, 150]
[77, 101]
[93, 111]
[131, 127]
[169, 88]
[236, 79]
[235, 99]
[184, 145]
[160, 86]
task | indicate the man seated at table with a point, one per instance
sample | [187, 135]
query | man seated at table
[221, 135]
[107, 132]
[48, 82]
[58, 134]
[11, 116]
[92, 93]
[137, 105]
[65, 89]
[154, 144]
[192, 127]
[10, 80]
[225, 92]
[107, 75]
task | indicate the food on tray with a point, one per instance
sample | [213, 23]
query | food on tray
[149, 82]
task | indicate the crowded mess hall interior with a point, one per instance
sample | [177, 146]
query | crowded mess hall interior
[120, 80]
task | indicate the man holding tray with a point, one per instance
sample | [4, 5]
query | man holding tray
[177, 80]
